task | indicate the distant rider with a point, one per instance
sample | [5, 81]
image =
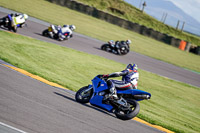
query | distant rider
[121, 43]
[18, 19]
[65, 32]
[53, 29]
[130, 78]
[118, 44]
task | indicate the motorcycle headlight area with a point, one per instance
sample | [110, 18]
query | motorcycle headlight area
[101, 93]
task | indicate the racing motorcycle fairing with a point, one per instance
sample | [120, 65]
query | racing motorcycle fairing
[96, 100]
[99, 86]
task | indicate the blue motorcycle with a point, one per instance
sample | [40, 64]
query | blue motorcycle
[125, 108]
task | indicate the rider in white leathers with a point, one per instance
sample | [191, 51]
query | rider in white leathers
[19, 19]
[65, 32]
[129, 80]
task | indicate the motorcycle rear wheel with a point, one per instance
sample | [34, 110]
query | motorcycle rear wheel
[130, 113]
[123, 52]
[84, 95]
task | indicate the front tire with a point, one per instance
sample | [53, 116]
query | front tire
[84, 94]
[106, 47]
[103, 47]
[1, 22]
[45, 33]
[130, 112]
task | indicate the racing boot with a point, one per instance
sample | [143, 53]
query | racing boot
[113, 94]
[51, 34]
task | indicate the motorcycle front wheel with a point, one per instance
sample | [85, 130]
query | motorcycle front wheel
[45, 33]
[1, 22]
[128, 113]
[84, 94]
[105, 47]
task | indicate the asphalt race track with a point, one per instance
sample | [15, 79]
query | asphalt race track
[92, 46]
[35, 107]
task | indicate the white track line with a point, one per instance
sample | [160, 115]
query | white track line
[8, 126]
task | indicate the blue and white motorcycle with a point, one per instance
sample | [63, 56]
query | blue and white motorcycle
[125, 108]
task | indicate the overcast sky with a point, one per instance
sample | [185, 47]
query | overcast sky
[191, 7]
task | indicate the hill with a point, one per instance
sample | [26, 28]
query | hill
[131, 13]
[159, 8]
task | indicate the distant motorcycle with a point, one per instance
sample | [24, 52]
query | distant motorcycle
[125, 108]
[52, 32]
[115, 48]
[7, 23]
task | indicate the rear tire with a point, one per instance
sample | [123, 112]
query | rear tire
[82, 96]
[124, 50]
[133, 110]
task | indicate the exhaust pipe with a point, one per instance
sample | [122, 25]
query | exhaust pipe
[147, 97]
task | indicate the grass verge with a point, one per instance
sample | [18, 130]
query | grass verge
[102, 30]
[174, 105]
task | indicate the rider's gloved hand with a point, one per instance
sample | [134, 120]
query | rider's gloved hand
[106, 76]
[103, 76]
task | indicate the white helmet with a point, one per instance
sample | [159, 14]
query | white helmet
[128, 41]
[25, 16]
[72, 27]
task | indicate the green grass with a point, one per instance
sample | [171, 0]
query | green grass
[133, 14]
[174, 105]
[102, 30]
